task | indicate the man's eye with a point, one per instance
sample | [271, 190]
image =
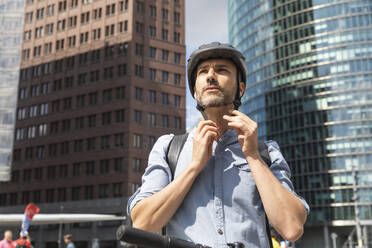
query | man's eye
[203, 71]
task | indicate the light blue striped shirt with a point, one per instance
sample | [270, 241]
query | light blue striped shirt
[223, 205]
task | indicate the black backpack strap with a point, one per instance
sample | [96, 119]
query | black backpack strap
[174, 150]
[264, 153]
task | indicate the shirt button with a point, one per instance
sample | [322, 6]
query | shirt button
[220, 232]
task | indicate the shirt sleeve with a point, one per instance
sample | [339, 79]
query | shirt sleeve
[157, 174]
[281, 170]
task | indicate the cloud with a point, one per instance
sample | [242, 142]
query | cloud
[206, 21]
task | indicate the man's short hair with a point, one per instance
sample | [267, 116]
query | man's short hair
[68, 236]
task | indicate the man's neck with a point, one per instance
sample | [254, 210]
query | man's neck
[215, 114]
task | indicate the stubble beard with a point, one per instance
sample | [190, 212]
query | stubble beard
[215, 99]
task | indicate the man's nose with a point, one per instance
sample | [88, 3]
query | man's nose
[211, 74]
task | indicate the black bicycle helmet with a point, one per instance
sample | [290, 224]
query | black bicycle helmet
[216, 50]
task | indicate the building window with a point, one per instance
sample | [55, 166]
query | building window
[88, 192]
[105, 142]
[109, 52]
[61, 25]
[108, 73]
[165, 121]
[176, 37]
[137, 164]
[40, 13]
[153, 11]
[103, 191]
[177, 79]
[71, 41]
[104, 166]
[164, 76]
[152, 96]
[90, 167]
[92, 121]
[78, 145]
[139, 27]
[138, 116]
[110, 9]
[97, 13]
[151, 141]
[110, 30]
[65, 148]
[164, 34]
[140, 7]
[138, 70]
[69, 82]
[76, 169]
[117, 189]
[93, 98]
[62, 5]
[152, 74]
[151, 119]
[49, 28]
[66, 125]
[177, 101]
[118, 164]
[120, 93]
[123, 5]
[177, 122]
[61, 194]
[164, 14]
[75, 193]
[123, 26]
[94, 76]
[72, 21]
[177, 58]
[123, 48]
[138, 94]
[91, 144]
[96, 34]
[119, 140]
[137, 140]
[51, 172]
[139, 49]
[152, 52]
[84, 37]
[106, 118]
[122, 70]
[120, 115]
[152, 31]
[80, 101]
[177, 18]
[164, 55]
[107, 96]
[84, 17]
[50, 10]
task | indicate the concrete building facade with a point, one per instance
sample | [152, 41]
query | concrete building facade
[100, 81]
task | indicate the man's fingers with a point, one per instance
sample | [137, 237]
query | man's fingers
[205, 123]
[206, 129]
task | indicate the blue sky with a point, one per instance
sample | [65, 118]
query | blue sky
[206, 21]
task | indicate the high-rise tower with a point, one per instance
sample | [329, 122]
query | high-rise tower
[309, 87]
[100, 81]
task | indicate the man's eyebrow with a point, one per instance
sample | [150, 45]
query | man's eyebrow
[216, 65]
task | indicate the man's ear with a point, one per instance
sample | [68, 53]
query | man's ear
[241, 88]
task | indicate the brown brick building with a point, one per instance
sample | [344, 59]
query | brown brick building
[100, 81]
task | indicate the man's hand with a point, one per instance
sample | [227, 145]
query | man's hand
[246, 130]
[204, 136]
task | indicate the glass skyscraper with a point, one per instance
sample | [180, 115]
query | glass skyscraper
[11, 29]
[310, 89]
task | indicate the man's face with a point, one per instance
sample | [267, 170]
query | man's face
[67, 241]
[8, 235]
[215, 84]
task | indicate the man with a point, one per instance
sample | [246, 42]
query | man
[68, 241]
[7, 241]
[22, 242]
[221, 188]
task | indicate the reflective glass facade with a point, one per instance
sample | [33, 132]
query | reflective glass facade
[11, 29]
[310, 88]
